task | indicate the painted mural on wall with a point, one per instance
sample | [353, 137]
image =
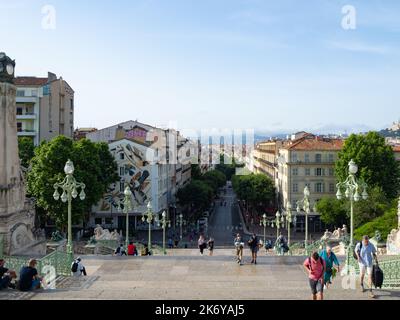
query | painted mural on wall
[134, 170]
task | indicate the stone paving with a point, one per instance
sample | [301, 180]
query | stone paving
[184, 274]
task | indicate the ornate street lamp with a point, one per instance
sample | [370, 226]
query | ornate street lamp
[127, 207]
[264, 223]
[305, 202]
[352, 192]
[181, 223]
[279, 223]
[290, 219]
[150, 217]
[69, 187]
[164, 223]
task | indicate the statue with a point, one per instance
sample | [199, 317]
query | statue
[393, 239]
[56, 236]
[104, 234]
[327, 235]
[344, 231]
[336, 234]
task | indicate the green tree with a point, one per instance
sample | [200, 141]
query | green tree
[256, 189]
[215, 179]
[376, 161]
[197, 195]
[196, 172]
[334, 212]
[26, 150]
[94, 166]
[384, 224]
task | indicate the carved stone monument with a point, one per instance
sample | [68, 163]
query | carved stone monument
[16, 212]
[393, 239]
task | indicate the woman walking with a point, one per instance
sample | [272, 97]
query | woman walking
[202, 244]
[254, 245]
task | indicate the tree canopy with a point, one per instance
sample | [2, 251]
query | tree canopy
[375, 159]
[26, 150]
[94, 166]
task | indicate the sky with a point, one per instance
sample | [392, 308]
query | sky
[266, 65]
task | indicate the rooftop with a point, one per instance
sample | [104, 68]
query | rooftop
[312, 142]
[30, 81]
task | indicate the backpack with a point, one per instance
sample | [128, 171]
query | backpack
[75, 266]
[359, 252]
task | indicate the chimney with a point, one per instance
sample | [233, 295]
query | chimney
[51, 76]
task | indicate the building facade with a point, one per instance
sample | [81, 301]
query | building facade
[148, 164]
[307, 161]
[45, 108]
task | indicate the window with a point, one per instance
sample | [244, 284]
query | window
[295, 187]
[121, 187]
[109, 221]
[20, 93]
[121, 156]
[319, 171]
[294, 157]
[306, 157]
[34, 93]
[319, 187]
[19, 126]
[318, 158]
[308, 172]
[19, 111]
[331, 188]
[98, 221]
[331, 172]
[295, 171]
[331, 157]
[122, 171]
[308, 185]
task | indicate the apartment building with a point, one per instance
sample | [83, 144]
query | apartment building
[265, 157]
[45, 108]
[307, 161]
[147, 163]
[80, 133]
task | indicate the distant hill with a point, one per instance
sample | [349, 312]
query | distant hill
[389, 133]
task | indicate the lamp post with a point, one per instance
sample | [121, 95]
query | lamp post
[180, 223]
[278, 223]
[264, 223]
[164, 223]
[70, 187]
[305, 202]
[150, 217]
[289, 219]
[352, 192]
[127, 207]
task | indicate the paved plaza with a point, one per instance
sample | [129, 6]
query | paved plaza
[184, 274]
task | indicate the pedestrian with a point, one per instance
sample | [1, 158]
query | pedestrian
[331, 265]
[315, 267]
[29, 278]
[254, 245]
[201, 244]
[6, 276]
[77, 268]
[239, 245]
[170, 243]
[366, 252]
[211, 246]
[132, 250]
[120, 251]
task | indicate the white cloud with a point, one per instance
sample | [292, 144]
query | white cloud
[359, 47]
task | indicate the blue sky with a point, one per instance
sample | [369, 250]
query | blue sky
[261, 64]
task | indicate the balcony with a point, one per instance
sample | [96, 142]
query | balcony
[27, 116]
[27, 99]
[26, 133]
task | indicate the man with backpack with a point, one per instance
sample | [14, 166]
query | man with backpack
[315, 267]
[77, 268]
[365, 252]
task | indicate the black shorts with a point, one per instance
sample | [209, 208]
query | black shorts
[316, 286]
